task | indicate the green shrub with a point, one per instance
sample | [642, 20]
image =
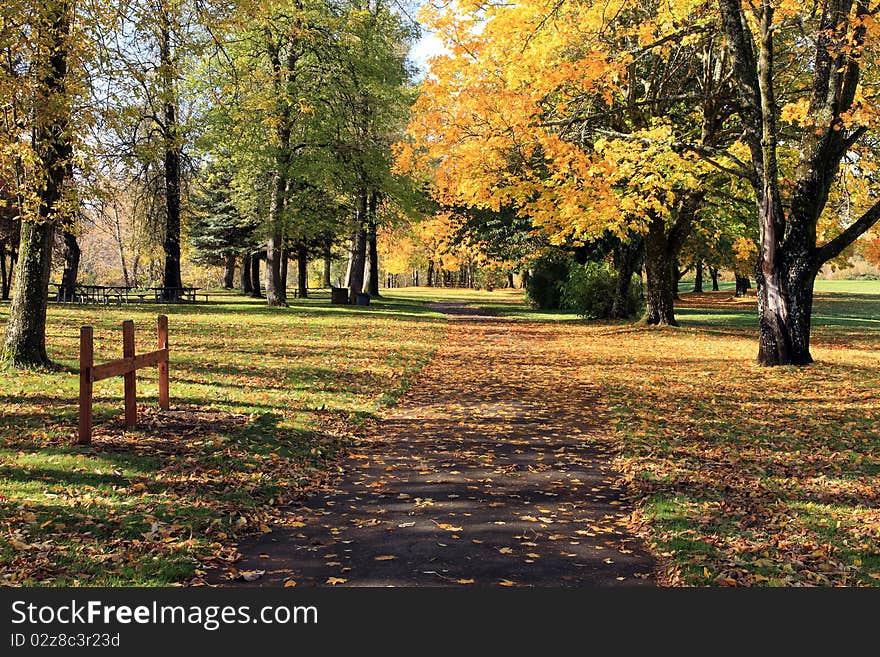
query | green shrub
[549, 273]
[590, 289]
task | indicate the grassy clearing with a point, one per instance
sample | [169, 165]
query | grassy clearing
[262, 399]
[745, 475]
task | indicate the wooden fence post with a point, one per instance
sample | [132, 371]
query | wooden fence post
[162, 333]
[129, 378]
[86, 356]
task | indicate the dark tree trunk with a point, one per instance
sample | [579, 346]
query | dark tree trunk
[430, 276]
[25, 342]
[328, 261]
[510, 285]
[245, 274]
[71, 265]
[524, 278]
[660, 276]
[626, 256]
[171, 278]
[372, 251]
[661, 253]
[359, 250]
[713, 272]
[743, 285]
[4, 276]
[302, 271]
[276, 288]
[229, 271]
[256, 292]
[698, 278]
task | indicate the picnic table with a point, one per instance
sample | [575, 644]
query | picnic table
[120, 294]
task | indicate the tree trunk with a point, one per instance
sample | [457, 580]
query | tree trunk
[625, 256]
[172, 141]
[510, 284]
[245, 280]
[661, 254]
[328, 261]
[359, 251]
[743, 285]
[4, 280]
[25, 341]
[659, 268]
[698, 278]
[276, 292]
[430, 276]
[713, 272]
[372, 270]
[256, 292]
[302, 271]
[25, 344]
[229, 272]
[71, 265]
[524, 278]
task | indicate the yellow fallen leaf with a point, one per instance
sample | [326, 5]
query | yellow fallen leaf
[506, 582]
[505, 550]
[464, 581]
[333, 581]
[448, 527]
[385, 557]
[289, 583]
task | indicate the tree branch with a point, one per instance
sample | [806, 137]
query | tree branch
[838, 244]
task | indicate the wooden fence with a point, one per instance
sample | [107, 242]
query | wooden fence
[126, 367]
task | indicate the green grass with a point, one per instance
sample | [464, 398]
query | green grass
[262, 400]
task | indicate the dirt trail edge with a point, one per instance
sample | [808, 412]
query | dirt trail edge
[492, 470]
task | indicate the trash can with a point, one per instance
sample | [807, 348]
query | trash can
[362, 299]
[339, 295]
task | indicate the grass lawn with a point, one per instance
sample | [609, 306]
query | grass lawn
[261, 398]
[744, 475]
[741, 475]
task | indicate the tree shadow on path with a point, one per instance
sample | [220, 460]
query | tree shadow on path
[493, 470]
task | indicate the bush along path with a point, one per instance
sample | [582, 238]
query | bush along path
[493, 470]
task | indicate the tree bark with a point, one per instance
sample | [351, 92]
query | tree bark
[372, 270]
[743, 285]
[71, 265]
[25, 340]
[430, 277]
[4, 280]
[229, 271]
[358, 254]
[660, 276]
[173, 152]
[713, 272]
[510, 285]
[662, 245]
[302, 271]
[256, 292]
[276, 290]
[245, 274]
[328, 261]
[698, 278]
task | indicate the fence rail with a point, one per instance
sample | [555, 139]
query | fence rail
[126, 367]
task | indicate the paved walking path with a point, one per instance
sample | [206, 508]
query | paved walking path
[493, 470]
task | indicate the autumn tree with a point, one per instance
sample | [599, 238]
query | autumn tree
[47, 39]
[821, 57]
